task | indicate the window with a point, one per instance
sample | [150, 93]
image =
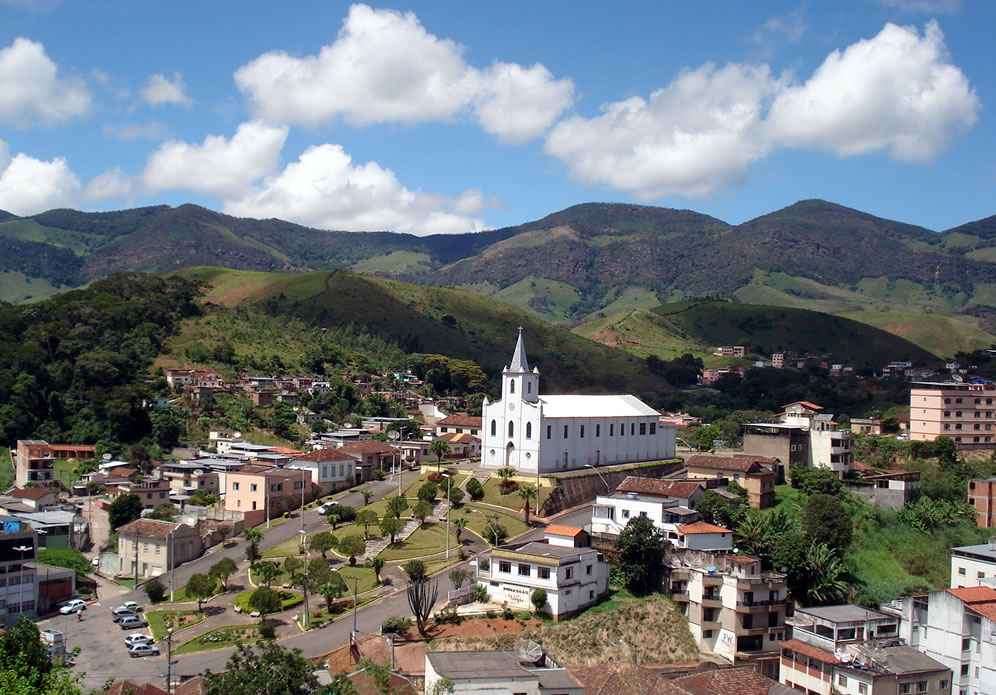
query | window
[591, 595]
[944, 685]
[612, 429]
[772, 620]
[587, 570]
[529, 430]
[625, 513]
[581, 431]
[523, 569]
[961, 571]
[842, 679]
[549, 431]
[643, 428]
[653, 428]
[862, 689]
[529, 387]
[544, 572]
[494, 427]
[511, 429]
[598, 430]
[569, 573]
[565, 431]
[632, 429]
[906, 688]
[921, 686]
[235, 486]
[964, 669]
[252, 487]
[505, 567]
[511, 386]
[707, 634]
[748, 622]
[966, 644]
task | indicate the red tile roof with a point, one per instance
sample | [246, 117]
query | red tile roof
[325, 455]
[810, 651]
[726, 681]
[367, 448]
[460, 420]
[805, 404]
[133, 688]
[31, 493]
[739, 463]
[148, 528]
[459, 438]
[974, 594]
[699, 527]
[658, 487]
[559, 530]
[74, 448]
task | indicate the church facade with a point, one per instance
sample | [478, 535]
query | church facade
[536, 433]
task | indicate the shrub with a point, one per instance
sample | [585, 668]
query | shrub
[507, 614]
[435, 476]
[267, 630]
[428, 492]
[538, 599]
[480, 594]
[155, 590]
[395, 625]
[475, 489]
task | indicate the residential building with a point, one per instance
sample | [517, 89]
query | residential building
[711, 375]
[498, 672]
[35, 498]
[536, 433]
[344, 436]
[805, 436]
[866, 425]
[982, 497]
[331, 469]
[412, 451]
[462, 446]
[372, 456]
[756, 474]
[960, 632]
[574, 577]
[52, 586]
[188, 477]
[18, 544]
[788, 444]
[737, 351]
[267, 490]
[148, 547]
[965, 412]
[891, 489]
[57, 528]
[832, 627]
[735, 610]
[971, 565]
[742, 680]
[459, 423]
[151, 491]
[34, 460]
[686, 492]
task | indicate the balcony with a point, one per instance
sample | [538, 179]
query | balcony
[757, 606]
[679, 596]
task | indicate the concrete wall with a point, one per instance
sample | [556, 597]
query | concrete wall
[570, 491]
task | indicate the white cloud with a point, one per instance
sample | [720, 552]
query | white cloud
[701, 131]
[219, 165]
[790, 27]
[325, 188]
[927, 6]
[29, 186]
[111, 184]
[162, 89]
[385, 67]
[31, 88]
[896, 92]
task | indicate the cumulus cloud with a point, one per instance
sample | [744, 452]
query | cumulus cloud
[219, 165]
[385, 67]
[112, 184]
[162, 89]
[31, 88]
[897, 92]
[325, 188]
[29, 186]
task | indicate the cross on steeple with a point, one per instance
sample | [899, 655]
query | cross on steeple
[519, 362]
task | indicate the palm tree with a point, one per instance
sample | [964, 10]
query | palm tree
[528, 494]
[752, 534]
[827, 576]
[460, 524]
[440, 447]
[505, 475]
[253, 536]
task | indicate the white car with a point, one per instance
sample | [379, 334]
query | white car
[132, 606]
[72, 606]
[143, 650]
[134, 640]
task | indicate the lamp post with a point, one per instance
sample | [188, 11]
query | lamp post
[169, 661]
[449, 483]
[171, 559]
[20, 586]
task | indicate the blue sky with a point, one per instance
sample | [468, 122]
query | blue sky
[447, 117]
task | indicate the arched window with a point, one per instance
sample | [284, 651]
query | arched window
[511, 428]
[529, 387]
[529, 430]
[511, 385]
[494, 428]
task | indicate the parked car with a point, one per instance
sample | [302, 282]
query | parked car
[72, 606]
[130, 622]
[122, 612]
[131, 606]
[143, 650]
[133, 640]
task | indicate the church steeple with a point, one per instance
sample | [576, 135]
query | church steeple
[519, 362]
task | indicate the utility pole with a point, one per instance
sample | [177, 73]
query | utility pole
[135, 541]
[169, 661]
[171, 559]
[449, 483]
[356, 583]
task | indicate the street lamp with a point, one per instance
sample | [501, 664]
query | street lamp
[20, 586]
[449, 482]
[169, 661]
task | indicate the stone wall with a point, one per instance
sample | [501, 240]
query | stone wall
[579, 487]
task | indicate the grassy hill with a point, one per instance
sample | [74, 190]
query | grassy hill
[426, 319]
[669, 330]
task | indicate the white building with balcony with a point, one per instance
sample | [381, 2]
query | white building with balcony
[573, 578]
[682, 526]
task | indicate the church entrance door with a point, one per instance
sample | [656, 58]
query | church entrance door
[509, 451]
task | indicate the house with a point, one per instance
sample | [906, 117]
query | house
[57, 528]
[151, 491]
[459, 423]
[266, 490]
[686, 492]
[735, 610]
[150, 547]
[412, 451]
[462, 446]
[372, 456]
[536, 433]
[756, 474]
[866, 425]
[805, 436]
[612, 512]
[712, 375]
[982, 497]
[188, 477]
[34, 460]
[699, 535]
[566, 536]
[34, 497]
[574, 577]
[891, 489]
[331, 469]
[738, 351]
[778, 360]
[742, 680]
[965, 412]
[344, 436]
[972, 564]
[497, 672]
[833, 627]
[127, 687]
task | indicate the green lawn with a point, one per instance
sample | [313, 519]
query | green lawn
[786, 498]
[6, 469]
[159, 621]
[477, 519]
[492, 495]
[618, 596]
[364, 575]
[220, 638]
[65, 471]
[288, 599]
[427, 540]
[437, 565]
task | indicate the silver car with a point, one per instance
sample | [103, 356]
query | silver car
[143, 650]
[130, 622]
[134, 640]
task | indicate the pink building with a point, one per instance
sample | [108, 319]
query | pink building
[964, 412]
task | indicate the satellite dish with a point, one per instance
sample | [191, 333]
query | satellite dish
[105, 457]
[394, 435]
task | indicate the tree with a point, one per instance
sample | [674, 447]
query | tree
[376, 563]
[351, 546]
[428, 491]
[25, 667]
[814, 481]
[367, 495]
[641, 547]
[704, 437]
[391, 526]
[340, 685]
[527, 493]
[201, 587]
[827, 582]
[222, 570]
[266, 601]
[825, 521]
[267, 668]
[459, 524]
[752, 534]
[155, 590]
[717, 509]
[266, 572]
[475, 489]
[139, 456]
[422, 511]
[458, 576]
[366, 518]
[441, 449]
[505, 475]
[494, 531]
[538, 599]
[322, 542]
[164, 512]
[422, 593]
[253, 536]
[396, 506]
[123, 510]
[455, 496]
[338, 514]
[332, 590]
[301, 577]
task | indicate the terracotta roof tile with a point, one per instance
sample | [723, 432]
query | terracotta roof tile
[460, 420]
[559, 530]
[810, 651]
[30, 493]
[701, 527]
[805, 404]
[741, 464]
[974, 594]
[658, 487]
[133, 688]
[325, 455]
[367, 448]
[726, 681]
[148, 528]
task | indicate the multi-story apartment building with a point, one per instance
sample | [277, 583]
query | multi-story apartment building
[756, 474]
[149, 547]
[17, 550]
[35, 459]
[973, 565]
[805, 436]
[965, 412]
[960, 632]
[266, 489]
[982, 497]
[151, 491]
[573, 577]
[187, 477]
[734, 609]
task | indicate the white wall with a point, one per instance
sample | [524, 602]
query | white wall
[965, 571]
[565, 594]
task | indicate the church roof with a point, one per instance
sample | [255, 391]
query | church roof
[595, 406]
[519, 362]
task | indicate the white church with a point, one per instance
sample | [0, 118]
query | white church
[536, 433]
